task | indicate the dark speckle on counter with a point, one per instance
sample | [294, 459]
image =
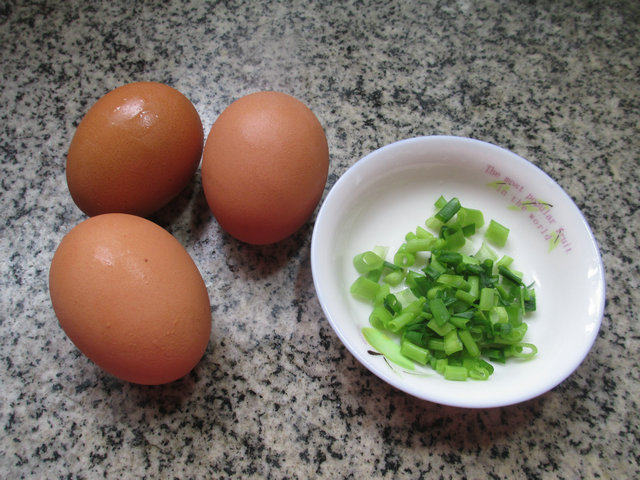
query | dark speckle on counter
[277, 396]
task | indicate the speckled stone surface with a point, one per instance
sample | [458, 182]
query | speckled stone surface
[277, 395]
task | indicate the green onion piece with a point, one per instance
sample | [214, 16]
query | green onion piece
[440, 203]
[465, 297]
[391, 266]
[508, 274]
[449, 258]
[436, 344]
[454, 239]
[486, 252]
[436, 265]
[410, 236]
[530, 303]
[505, 261]
[477, 372]
[407, 315]
[487, 299]
[414, 352]
[509, 335]
[515, 315]
[387, 347]
[441, 330]
[441, 365]
[439, 311]
[469, 230]
[447, 212]
[470, 216]
[381, 295]
[494, 354]
[466, 259]
[380, 251]
[405, 297]
[394, 278]
[403, 258]
[432, 273]
[419, 245]
[455, 373]
[469, 343]
[518, 350]
[458, 322]
[433, 223]
[498, 315]
[497, 234]
[422, 233]
[474, 285]
[392, 304]
[454, 281]
[367, 261]
[401, 320]
[380, 318]
[365, 289]
[435, 292]
[374, 275]
[452, 343]
[413, 336]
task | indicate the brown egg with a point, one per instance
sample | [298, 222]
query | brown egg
[130, 297]
[135, 149]
[264, 167]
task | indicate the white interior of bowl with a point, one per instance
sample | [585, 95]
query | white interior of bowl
[392, 190]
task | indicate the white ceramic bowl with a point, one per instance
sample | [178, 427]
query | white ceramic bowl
[392, 190]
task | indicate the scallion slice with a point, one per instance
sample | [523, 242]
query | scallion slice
[458, 310]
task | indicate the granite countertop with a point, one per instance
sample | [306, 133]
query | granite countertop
[276, 394]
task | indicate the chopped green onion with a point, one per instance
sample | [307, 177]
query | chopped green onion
[465, 297]
[441, 365]
[387, 347]
[452, 343]
[394, 278]
[508, 274]
[455, 373]
[380, 251]
[392, 304]
[486, 252]
[405, 297]
[419, 245]
[380, 318]
[422, 233]
[433, 223]
[383, 291]
[505, 261]
[458, 321]
[455, 281]
[454, 238]
[441, 330]
[458, 310]
[439, 311]
[449, 258]
[403, 258]
[365, 289]
[518, 350]
[487, 299]
[447, 212]
[414, 352]
[367, 261]
[497, 234]
[474, 285]
[440, 202]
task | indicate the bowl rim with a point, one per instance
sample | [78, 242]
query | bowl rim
[361, 164]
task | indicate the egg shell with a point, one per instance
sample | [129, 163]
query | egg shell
[130, 298]
[135, 149]
[264, 167]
